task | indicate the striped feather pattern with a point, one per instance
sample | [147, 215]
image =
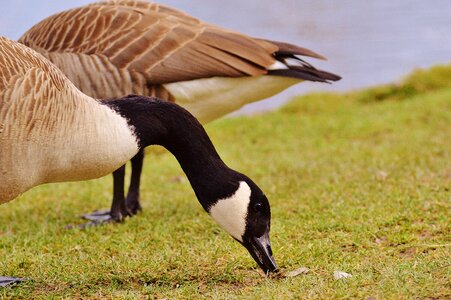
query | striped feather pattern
[49, 130]
[113, 48]
[161, 43]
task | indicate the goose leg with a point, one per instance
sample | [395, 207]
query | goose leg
[121, 207]
[132, 200]
[118, 211]
[5, 281]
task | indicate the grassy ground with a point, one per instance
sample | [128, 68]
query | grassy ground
[358, 183]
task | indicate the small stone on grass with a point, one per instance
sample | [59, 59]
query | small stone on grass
[297, 272]
[381, 175]
[339, 275]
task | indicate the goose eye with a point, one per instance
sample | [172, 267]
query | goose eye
[258, 207]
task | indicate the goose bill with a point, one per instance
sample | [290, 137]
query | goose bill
[260, 250]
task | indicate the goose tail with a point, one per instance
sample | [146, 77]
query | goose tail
[290, 64]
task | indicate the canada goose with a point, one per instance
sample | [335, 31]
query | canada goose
[52, 132]
[114, 48]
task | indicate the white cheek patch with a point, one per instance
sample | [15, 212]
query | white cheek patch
[230, 213]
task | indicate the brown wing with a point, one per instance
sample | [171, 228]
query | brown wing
[16, 60]
[31, 89]
[161, 43]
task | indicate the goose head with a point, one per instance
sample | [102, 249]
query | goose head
[234, 201]
[245, 214]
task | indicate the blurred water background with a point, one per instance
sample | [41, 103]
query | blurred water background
[366, 42]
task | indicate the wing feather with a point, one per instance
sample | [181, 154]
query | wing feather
[121, 46]
[147, 37]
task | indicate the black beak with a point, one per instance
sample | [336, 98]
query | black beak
[260, 249]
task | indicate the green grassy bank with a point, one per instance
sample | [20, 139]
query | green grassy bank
[358, 182]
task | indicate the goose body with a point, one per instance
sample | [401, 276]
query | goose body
[114, 48]
[52, 132]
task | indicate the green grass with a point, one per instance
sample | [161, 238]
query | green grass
[356, 184]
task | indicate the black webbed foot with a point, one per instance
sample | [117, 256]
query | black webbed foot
[116, 215]
[98, 215]
[105, 215]
[96, 218]
[102, 217]
[9, 281]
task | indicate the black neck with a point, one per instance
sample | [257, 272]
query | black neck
[157, 122]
